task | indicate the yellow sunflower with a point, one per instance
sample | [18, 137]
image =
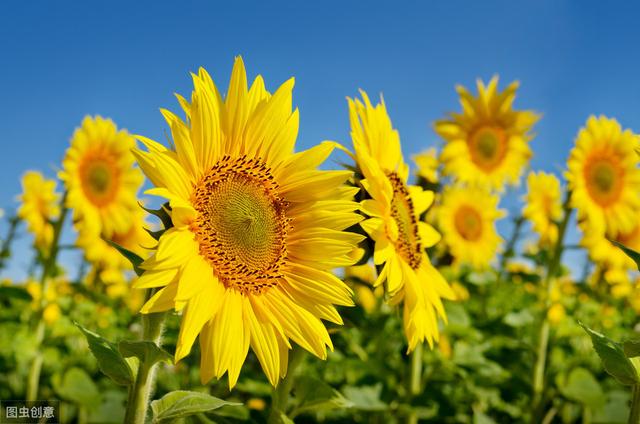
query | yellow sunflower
[427, 165]
[39, 205]
[488, 143]
[467, 218]
[99, 174]
[394, 223]
[605, 253]
[106, 259]
[543, 205]
[604, 177]
[256, 229]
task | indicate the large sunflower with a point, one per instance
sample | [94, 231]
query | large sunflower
[100, 177]
[394, 223]
[256, 229]
[603, 252]
[39, 205]
[604, 177]
[488, 143]
[543, 205]
[467, 218]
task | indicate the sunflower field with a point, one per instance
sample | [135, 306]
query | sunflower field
[228, 276]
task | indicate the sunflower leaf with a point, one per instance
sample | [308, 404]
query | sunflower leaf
[129, 255]
[182, 403]
[110, 361]
[613, 358]
[162, 214]
[313, 394]
[629, 252]
[146, 351]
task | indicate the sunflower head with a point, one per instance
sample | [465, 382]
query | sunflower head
[39, 204]
[488, 143]
[256, 229]
[467, 217]
[603, 175]
[602, 251]
[543, 205]
[393, 222]
[427, 165]
[99, 175]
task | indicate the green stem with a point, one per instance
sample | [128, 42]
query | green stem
[634, 414]
[543, 338]
[6, 243]
[139, 393]
[510, 248]
[280, 395]
[415, 380]
[33, 381]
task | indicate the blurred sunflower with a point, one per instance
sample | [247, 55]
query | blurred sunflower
[488, 143]
[257, 229]
[604, 177]
[39, 205]
[543, 205]
[427, 165]
[101, 180]
[466, 217]
[603, 252]
[109, 264]
[394, 223]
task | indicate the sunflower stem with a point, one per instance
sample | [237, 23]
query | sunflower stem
[634, 413]
[49, 263]
[140, 391]
[510, 248]
[280, 394]
[543, 338]
[6, 243]
[415, 380]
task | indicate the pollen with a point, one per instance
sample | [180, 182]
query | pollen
[241, 225]
[403, 213]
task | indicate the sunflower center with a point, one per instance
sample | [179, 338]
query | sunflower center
[99, 180]
[468, 223]
[241, 225]
[488, 146]
[408, 242]
[604, 180]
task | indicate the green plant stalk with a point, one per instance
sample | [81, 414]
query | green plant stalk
[140, 391]
[634, 414]
[415, 380]
[33, 381]
[509, 252]
[543, 339]
[280, 394]
[6, 243]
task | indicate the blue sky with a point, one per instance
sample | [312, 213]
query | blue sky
[63, 60]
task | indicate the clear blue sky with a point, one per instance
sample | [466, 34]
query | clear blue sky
[63, 60]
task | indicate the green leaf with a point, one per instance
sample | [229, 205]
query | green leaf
[146, 351]
[110, 361]
[76, 386]
[129, 255]
[161, 213]
[629, 252]
[182, 403]
[582, 387]
[313, 394]
[518, 319]
[613, 358]
[631, 348]
[15, 293]
[365, 398]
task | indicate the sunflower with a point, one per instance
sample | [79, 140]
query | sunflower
[467, 218]
[488, 143]
[39, 205]
[604, 177]
[603, 252]
[99, 174]
[543, 205]
[394, 211]
[427, 165]
[256, 229]
[108, 262]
